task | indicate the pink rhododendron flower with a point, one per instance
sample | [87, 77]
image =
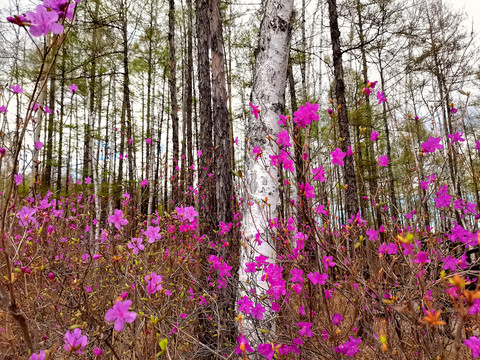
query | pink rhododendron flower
[43, 21]
[18, 178]
[457, 137]
[383, 160]
[186, 213]
[16, 89]
[154, 283]
[38, 145]
[337, 157]
[307, 189]
[136, 245]
[243, 345]
[317, 278]
[255, 110]
[117, 219]
[381, 97]
[350, 348]
[473, 343]
[305, 115]
[73, 88]
[374, 135]
[257, 151]
[306, 329]
[120, 315]
[75, 341]
[318, 174]
[153, 234]
[432, 144]
[283, 138]
[39, 356]
[144, 183]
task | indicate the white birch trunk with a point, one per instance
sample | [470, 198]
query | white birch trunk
[263, 181]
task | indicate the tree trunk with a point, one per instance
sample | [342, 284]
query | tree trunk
[173, 99]
[262, 184]
[351, 200]
[205, 109]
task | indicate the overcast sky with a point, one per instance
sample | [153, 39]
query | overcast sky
[472, 7]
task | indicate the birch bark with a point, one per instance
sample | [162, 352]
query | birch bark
[261, 179]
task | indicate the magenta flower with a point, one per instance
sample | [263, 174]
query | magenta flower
[88, 180]
[245, 304]
[443, 199]
[257, 311]
[16, 89]
[43, 21]
[473, 343]
[383, 160]
[449, 263]
[283, 138]
[477, 145]
[337, 319]
[305, 115]
[38, 145]
[75, 342]
[255, 110]
[457, 137]
[422, 258]
[60, 7]
[120, 314]
[144, 183]
[243, 345]
[39, 356]
[372, 234]
[319, 172]
[73, 88]
[154, 283]
[224, 228]
[381, 97]
[117, 219]
[266, 350]
[307, 189]
[328, 262]
[3, 109]
[317, 278]
[337, 157]
[374, 135]
[475, 308]
[186, 213]
[432, 144]
[153, 234]
[19, 20]
[257, 151]
[25, 216]
[18, 178]
[97, 351]
[148, 141]
[136, 245]
[306, 329]
[350, 348]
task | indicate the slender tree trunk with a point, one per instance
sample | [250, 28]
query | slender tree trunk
[262, 184]
[223, 166]
[351, 200]
[189, 101]
[391, 179]
[50, 126]
[173, 100]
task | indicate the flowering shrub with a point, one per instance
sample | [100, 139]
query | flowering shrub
[83, 283]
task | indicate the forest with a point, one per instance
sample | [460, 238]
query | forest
[237, 179]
